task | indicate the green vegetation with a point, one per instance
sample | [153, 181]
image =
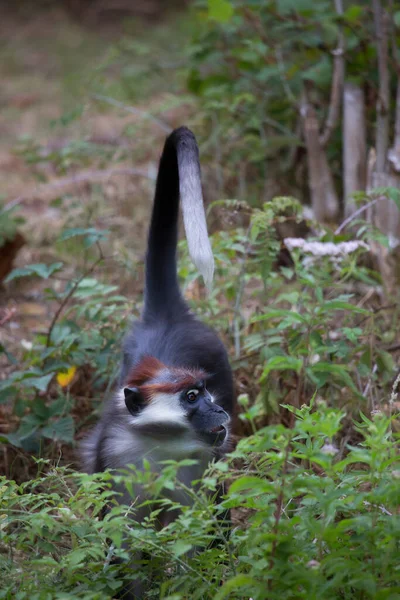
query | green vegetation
[313, 482]
[313, 501]
[318, 524]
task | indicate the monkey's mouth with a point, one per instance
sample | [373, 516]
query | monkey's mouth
[216, 435]
[218, 429]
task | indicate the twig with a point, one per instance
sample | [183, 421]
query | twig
[337, 82]
[112, 547]
[219, 174]
[384, 510]
[393, 348]
[8, 314]
[279, 507]
[355, 214]
[134, 111]
[238, 315]
[71, 293]
[369, 382]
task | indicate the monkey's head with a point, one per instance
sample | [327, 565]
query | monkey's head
[163, 401]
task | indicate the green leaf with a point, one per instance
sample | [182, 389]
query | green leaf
[320, 72]
[248, 482]
[275, 313]
[180, 547]
[39, 383]
[220, 10]
[233, 584]
[61, 430]
[11, 358]
[322, 372]
[287, 6]
[353, 13]
[7, 394]
[282, 363]
[389, 192]
[394, 194]
[40, 270]
[91, 235]
[339, 305]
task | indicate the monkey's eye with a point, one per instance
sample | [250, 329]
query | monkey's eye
[191, 395]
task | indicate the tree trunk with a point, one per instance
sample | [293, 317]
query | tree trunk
[337, 83]
[324, 200]
[354, 144]
[394, 153]
[382, 105]
[385, 216]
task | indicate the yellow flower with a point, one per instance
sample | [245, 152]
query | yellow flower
[65, 379]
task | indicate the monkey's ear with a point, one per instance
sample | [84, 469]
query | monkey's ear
[134, 400]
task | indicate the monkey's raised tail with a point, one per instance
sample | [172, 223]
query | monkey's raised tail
[178, 176]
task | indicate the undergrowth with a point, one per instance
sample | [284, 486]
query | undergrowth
[313, 483]
[317, 523]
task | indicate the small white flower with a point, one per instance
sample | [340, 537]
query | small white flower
[315, 358]
[26, 344]
[325, 248]
[329, 449]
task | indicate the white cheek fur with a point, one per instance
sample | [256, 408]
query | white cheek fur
[163, 408]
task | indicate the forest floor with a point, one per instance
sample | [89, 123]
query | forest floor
[68, 157]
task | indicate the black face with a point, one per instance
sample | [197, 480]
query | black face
[207, 418]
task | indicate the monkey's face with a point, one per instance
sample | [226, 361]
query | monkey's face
[170, 414]
[207, 419]
[165, 402]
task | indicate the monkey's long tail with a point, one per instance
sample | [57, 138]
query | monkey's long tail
[178, 176]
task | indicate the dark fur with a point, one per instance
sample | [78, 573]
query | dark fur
[167, 331]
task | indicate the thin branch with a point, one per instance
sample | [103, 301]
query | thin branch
[72, 292]
[383, 510]
[355, 214]
[337, 82]
[8, 315]
[134, 111]
[238, 314]
[279, 507]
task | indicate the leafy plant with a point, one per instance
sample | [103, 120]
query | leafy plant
[313, 521]
[255, 65]
[40, 390]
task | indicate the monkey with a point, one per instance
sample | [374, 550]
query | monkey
[175, 394]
